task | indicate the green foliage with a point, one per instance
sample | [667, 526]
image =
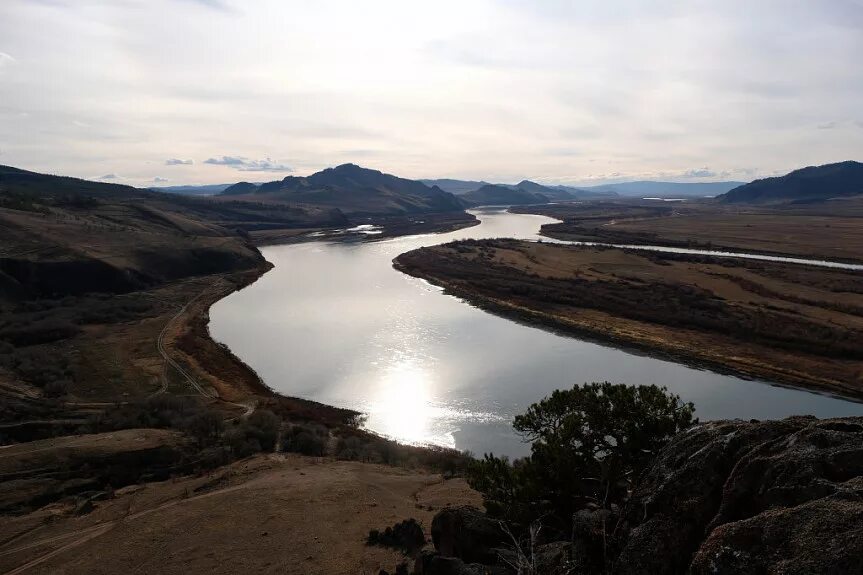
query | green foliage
[589, 444]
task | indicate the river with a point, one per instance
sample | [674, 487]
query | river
[334, 322]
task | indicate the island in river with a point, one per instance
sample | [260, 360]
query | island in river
[794, 324]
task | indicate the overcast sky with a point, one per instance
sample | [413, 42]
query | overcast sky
[211, 91]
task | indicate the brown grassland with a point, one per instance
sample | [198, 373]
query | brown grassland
[830, 230]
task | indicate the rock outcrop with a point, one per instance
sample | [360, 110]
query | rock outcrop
[725, 497]
[752, 497]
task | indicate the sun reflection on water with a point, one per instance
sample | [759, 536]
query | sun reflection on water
[404, 407]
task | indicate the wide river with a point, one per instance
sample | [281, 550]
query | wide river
[334, 322]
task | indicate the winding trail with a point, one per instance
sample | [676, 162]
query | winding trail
[247, 406]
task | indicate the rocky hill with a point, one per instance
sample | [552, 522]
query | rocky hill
[814, 183]
[353, 190]
[551, 193]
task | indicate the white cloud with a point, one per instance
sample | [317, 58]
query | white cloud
[178, 162]
[247, 165]
[700, 173]
[226, 161]
[109, 177]
[157, 179]
[6, 60]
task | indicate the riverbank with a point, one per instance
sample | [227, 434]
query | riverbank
[794, 325]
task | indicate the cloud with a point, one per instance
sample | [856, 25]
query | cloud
[157, 179]
[827, 126]
[178, 162]
[6, 60]
[226, 161]
[109, 177]
[247, 165]
[699, 173]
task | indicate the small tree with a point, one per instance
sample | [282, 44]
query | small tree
[589, 444]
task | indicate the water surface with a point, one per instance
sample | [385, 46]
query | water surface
[334, 322]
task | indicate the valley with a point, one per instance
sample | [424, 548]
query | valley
[149, 350]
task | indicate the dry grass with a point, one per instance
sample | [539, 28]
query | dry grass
[269, 514]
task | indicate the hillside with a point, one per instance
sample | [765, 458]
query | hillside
[495, 195]
[353, 190]
[64, 236]
[554, 194]
[813, 183]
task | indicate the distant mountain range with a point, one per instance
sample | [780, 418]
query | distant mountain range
[466, 188]
[205, 190]
[815, 183]
[643, 189]
[638, 189]
[353, 190]
[457, 187]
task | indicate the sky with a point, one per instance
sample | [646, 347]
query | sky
[170, 92]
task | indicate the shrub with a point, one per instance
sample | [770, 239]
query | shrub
[161, 411]
[46, 368]
[206, 427]
[262, 426]
[307, 440]
[28, 332]
[241, 444]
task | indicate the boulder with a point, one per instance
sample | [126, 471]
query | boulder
[553, 558]
[468, 534]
